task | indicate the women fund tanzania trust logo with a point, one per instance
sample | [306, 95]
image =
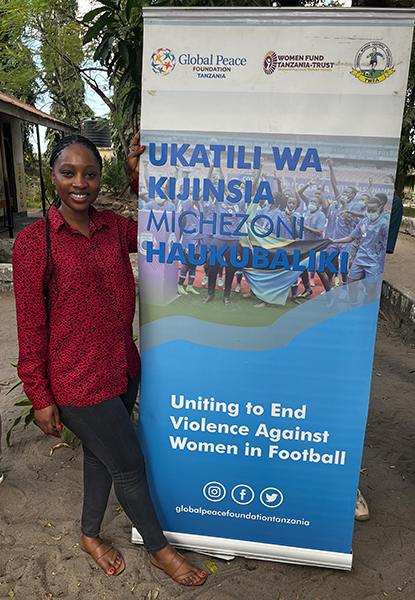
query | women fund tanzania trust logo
[295, 62]
[269, 64]
[163, 61]
[373, 63]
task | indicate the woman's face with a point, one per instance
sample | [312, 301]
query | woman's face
[76, 175]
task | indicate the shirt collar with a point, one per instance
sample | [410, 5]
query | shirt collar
[97, 220]
[57, 221]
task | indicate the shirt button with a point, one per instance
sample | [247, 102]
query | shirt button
[103, 270]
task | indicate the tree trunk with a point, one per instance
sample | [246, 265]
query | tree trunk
[399, 184]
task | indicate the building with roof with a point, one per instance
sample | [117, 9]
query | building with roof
[12, 175]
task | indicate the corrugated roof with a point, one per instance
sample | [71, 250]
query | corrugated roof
[17, 108]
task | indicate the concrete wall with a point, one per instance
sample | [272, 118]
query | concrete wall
[6, 277]
[399, 305]
[6, 250]
[408, 226]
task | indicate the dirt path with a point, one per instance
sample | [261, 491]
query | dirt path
[40, 502]
[399, 265]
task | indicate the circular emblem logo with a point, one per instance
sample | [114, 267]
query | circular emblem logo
[269, 64]
[214, 491]
[271, 497]
[163, 61]
[373, 63]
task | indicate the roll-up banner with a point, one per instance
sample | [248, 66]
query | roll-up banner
[265, 193]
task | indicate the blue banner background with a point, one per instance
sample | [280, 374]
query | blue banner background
[314, 368]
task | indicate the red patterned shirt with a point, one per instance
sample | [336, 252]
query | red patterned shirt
[134, 185]
[75, 340]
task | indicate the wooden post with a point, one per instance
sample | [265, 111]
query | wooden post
[6, 182]
[42, 183]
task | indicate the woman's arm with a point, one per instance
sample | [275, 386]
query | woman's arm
[129, 226]
[133, 162]
[29, 264]
[133, 159]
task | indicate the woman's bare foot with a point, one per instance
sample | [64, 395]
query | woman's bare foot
[175, 565]
[106, 557]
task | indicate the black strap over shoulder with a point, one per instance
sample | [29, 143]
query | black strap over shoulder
[50, 268]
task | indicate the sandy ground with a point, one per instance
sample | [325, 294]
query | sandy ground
[40, 501]
[399, 266]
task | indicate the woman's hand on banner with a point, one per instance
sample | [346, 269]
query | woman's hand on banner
[133, 159]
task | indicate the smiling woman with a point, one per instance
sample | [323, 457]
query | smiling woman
[75, 302]
[75, 180]
[75, 170]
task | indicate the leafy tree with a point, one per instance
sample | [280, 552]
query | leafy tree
[405, 174]
[113, 178]
[61, 55]
[18, 69]
[41, 53]
[116, 27]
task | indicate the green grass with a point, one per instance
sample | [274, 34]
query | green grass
[372, 74]
[34, 201]
[408, 211]
[240, 312]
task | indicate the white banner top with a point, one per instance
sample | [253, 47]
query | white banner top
[316, 81]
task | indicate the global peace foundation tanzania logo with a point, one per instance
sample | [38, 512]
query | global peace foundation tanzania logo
[269, 64]
[373, 63]
[163, 61]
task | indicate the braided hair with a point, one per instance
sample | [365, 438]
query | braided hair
[57, 150]
[69, 140]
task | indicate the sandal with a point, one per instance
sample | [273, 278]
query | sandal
[102, 550]
[173, 566]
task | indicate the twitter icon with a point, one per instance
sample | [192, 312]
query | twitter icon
[271, 497]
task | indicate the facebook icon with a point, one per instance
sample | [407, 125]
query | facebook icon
[242, 494]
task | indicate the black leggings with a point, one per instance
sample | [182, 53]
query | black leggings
[112, 454]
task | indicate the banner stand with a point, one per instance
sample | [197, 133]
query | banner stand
[218, 546]
[272, 139]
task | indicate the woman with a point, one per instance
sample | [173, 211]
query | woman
[75, 301]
